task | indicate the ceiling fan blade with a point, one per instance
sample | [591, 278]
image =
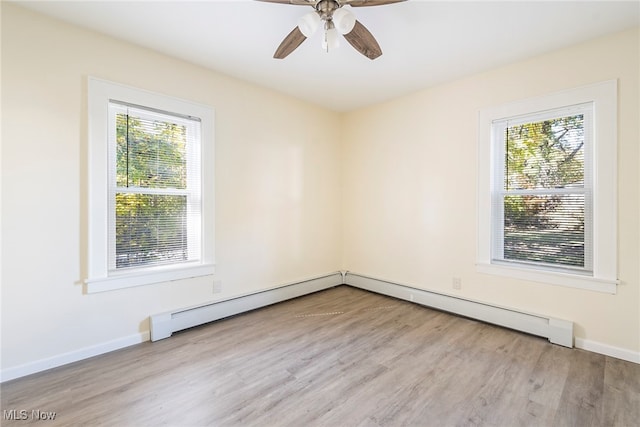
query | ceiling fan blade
[363, 41]
[294, 2]
[290, 43]
[362, 3]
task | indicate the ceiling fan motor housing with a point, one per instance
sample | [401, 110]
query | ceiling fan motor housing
[333, 16]
[326, 8]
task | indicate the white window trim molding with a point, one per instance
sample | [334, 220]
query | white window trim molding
[604, 98]
[100, 279]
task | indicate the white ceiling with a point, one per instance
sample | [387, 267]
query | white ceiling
[424, 42]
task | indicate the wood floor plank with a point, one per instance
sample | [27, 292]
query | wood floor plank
[581, 400]
[545, 386]
[621, 400]
[340, 357]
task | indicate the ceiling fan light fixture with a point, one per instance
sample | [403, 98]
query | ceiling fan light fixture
[330, 39]
[309, 23]
[344, 20]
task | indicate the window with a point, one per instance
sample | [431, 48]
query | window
[547, 206]
[541, 197]
[151, 204]
[154, 182]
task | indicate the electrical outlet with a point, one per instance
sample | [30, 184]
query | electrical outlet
[217, 286]
[457, 283]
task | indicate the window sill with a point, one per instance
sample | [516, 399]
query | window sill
[552, 278]
[140, 278]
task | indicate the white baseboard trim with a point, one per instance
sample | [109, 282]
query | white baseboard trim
[72, 356]
[164, 324]
[608, 350]
[557, 331]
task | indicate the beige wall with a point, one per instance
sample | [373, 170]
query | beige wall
[388, 191]
[409, 197]
[277, 187]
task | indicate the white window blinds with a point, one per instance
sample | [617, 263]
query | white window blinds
[154, 188]
[543, 190]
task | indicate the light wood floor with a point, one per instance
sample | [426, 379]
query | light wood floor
[341, 357]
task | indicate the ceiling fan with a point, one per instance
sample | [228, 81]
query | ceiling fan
[336, 20]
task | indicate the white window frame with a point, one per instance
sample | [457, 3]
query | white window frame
[603, 155]
[100, 276]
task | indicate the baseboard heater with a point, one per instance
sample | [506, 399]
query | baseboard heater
[164, 324]
[556, 331]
